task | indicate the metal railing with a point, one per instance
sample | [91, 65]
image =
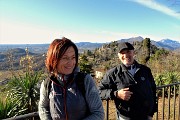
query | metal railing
[171, 92]
[33, 115]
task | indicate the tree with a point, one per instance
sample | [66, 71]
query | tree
[88, 53]
[146, 50]
[85, 65]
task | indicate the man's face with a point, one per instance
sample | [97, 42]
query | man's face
[126, 56]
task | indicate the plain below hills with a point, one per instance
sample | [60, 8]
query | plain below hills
[42, 48]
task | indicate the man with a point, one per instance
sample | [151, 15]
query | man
[131, 86]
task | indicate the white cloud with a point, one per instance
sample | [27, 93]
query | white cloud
[159, 7]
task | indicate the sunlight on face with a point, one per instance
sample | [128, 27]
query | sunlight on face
[126, 57]
[67, 62]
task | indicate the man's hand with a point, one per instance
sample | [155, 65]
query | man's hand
[124, 94]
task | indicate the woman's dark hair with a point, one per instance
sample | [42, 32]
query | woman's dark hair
[56, 50]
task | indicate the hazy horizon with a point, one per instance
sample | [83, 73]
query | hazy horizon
[75, 42]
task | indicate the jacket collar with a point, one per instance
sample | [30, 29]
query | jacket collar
[135, 63]
[62, 79]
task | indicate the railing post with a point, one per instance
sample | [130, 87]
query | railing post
[174, 102]
[169, 94]
[179, 104]
[157, 106]
[107, 109]
[163, 103]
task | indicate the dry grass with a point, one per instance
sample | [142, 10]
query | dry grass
[112, 110]
[9, 74]
[160, 109]
[5, 75]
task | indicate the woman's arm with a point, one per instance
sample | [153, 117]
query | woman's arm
[44, 112]
[93, 100]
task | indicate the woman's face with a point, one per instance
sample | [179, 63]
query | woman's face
[67, 62]
[126, 57]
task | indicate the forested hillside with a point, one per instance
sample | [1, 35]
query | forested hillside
[164, 64]
[161, 61]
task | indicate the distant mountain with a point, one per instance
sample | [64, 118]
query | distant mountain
[133, 39]
[16, 53]
[42, 48]
[165, 43]
[88, 45]
[35, 48]
[168, 44]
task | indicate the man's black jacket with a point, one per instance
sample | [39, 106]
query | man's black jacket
[143, 100]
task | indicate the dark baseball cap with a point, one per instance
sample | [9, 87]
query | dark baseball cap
[125, 45]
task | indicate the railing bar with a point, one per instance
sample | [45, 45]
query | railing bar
[157, 104]
[29, 115]
[169, 94]
[179, 104]
[163, 101]
[107, 110]
[159, 87]
[174, 103]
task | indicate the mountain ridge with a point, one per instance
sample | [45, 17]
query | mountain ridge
[42, 48]
[164, 43]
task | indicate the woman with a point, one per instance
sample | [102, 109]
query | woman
[65, 101]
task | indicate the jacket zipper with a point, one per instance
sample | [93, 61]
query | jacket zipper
[64, 91]
[132, 76]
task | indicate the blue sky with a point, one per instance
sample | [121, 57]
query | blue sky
[42, 21]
